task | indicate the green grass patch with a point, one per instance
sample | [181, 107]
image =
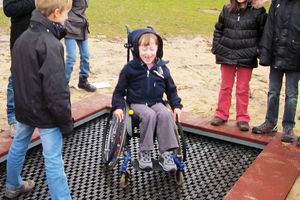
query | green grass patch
[176, 17]
[169, 17]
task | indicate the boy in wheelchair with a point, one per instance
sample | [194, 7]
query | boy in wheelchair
[144, 80]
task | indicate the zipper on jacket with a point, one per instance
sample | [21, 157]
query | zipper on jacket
[238, 19]
[148, 84]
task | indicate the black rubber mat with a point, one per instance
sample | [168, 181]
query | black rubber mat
[212, 168]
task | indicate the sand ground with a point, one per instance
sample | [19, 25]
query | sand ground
[191, 64]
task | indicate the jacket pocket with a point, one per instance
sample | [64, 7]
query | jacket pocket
[75, 28]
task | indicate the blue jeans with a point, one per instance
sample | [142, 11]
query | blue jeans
[10, 106]
[291, 96]
[83, 46]
[52, 151]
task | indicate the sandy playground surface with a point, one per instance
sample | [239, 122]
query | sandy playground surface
[191, 64]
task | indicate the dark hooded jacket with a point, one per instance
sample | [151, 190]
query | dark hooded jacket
[141, 85]
[237, 35]
[280, 43]
[20, 12]
[77, 24]
[41, 94]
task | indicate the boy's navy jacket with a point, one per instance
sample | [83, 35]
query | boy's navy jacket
[280, 43]
[20, 13]
[41, 93]
[141, 85]
[237, 35]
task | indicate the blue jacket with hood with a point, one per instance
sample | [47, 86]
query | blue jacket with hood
[142, 85]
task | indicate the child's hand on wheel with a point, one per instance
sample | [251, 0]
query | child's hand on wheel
[177, 112]
[119, 114]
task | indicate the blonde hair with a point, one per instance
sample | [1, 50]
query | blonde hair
[46, 7]
[146, 38]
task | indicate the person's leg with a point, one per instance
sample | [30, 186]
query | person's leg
[275, 83]
[16, 156]
[84, 66]
[11, 117]
[52, 151]
[70, 57]
[147, 125]
[84, 58]
[227, 81]
[165, 131]
[291, 97]
[242, 93]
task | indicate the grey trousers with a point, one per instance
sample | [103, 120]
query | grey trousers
[159, 117]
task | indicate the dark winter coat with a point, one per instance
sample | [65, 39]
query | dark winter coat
[77, 24]
[280, 44]
[20, 12]
[141, 85]
[237, 35]
[42, 97]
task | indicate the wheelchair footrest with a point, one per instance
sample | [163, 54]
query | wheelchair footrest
[156, 166]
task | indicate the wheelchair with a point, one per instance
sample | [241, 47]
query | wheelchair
[116, 140]
[117, 135]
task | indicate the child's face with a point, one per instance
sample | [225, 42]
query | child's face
[148, 52]
[60, 16]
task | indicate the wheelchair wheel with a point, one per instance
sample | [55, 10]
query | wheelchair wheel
[181, 141]
[179, 178]
[114, 138]
[124, 180]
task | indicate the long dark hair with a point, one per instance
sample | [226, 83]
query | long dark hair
[234, 6]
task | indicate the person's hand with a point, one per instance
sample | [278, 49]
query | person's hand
[177, 112]
[260, 3]
[119, 114]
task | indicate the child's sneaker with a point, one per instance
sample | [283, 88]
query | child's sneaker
[145, 161]
[26, 187]
[167, 162]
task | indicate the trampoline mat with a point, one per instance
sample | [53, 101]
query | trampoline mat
[212, 168]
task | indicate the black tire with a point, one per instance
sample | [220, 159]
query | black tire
[181, 141]
[124, 179]
[114, 138]
[179, 178]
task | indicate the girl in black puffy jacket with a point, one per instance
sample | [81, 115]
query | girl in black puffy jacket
[235, 42]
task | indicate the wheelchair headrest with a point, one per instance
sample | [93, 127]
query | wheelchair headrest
[133, 39]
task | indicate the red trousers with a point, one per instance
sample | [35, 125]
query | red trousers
[243, 77]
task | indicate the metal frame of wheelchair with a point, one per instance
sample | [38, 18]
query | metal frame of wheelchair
[115, 146]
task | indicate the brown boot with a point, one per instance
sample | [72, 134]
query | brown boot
[217, 121]
[243, 126]
[288, 136]
[265, 128]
